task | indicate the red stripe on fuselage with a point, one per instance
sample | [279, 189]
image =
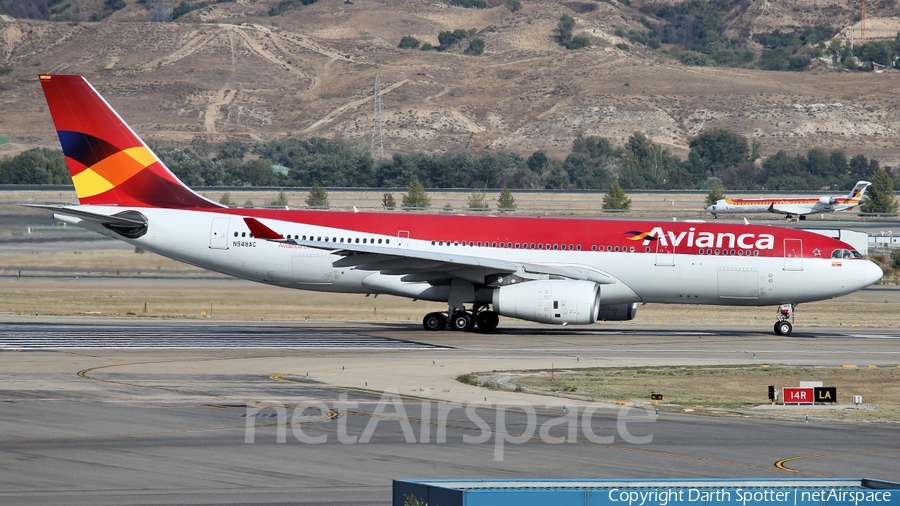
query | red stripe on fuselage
[582, 232]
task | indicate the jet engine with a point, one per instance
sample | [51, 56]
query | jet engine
[618, 312]
[549, 301]
[828, 201]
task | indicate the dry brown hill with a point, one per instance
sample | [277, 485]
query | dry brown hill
[231, 71]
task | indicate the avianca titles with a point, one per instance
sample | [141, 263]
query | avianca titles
[791, 206]
[549, 270]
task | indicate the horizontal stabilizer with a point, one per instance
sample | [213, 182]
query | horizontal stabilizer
[102, 219]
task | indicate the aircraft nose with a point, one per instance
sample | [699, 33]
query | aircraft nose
[709, 209]
[873, 272]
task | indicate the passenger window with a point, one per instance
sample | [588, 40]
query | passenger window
[617, 249]
[594, 247]
[494, 244]
[379, 241]
[532, 245]
[571, 247]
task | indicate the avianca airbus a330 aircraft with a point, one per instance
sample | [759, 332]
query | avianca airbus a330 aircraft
[549, 270]
[791, 206]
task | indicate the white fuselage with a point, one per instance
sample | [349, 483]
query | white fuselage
[221, 242]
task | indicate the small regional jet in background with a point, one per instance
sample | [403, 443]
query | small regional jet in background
[791, 206]
[547, 270]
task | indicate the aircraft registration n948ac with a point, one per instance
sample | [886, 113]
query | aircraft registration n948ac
[548, 270]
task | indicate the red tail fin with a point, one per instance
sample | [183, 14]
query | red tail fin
[109, 163]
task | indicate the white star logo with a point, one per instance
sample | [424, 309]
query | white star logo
[817, 252]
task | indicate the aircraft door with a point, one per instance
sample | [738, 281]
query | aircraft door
[218, 234]
[403, 238]
[665, 254]
[793, 256]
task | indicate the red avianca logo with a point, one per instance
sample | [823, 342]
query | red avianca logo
[691, 238]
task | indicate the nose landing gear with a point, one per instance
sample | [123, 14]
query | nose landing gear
[783, 327]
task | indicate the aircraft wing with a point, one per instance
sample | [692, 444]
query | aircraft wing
[796, 210]
[416, 265]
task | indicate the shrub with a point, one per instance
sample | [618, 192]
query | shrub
[408, 42]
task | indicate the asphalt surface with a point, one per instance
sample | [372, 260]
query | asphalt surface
[170, 426]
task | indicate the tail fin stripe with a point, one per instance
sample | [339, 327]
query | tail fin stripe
[89, 183]
[86, 149]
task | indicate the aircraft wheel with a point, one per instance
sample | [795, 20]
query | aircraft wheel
[783, 328]
[487, 321]
[434, 321]
[462, 321]
[802, 218]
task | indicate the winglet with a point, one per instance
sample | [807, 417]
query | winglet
[261, 231]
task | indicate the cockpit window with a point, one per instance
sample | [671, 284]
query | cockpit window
[843, 253]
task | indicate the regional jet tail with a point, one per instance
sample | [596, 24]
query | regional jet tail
[550, 270]
[796, 206]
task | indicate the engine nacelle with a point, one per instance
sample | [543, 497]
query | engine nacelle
[828, 201]
[618, 312]
[550, 301]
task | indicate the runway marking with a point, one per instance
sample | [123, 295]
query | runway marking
[280, 377]
[780, 464]
[80, 336]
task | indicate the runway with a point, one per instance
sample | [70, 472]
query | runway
[67, 336]
[171, 425]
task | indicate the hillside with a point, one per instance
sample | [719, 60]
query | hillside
[231, 71]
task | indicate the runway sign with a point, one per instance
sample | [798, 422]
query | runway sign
[826, 394]
[797, 395]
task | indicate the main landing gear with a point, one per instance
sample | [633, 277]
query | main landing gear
[462, 320]
[783, 327]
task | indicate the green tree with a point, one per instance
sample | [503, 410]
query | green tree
[715, 150]
[514, 5]
[114, 5]
[564, 29]
[281, 200]
[415, 196]
[408, 42]
[616, 199]
[318, 197]
[231, 149]
[257, 172]
[506, 202]
[715, 194]
[225, 200]
[388, 202]
[646, 164]
[478, 201]
[880, 199]
[476, 47]
[249, 204]
[895, 258]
